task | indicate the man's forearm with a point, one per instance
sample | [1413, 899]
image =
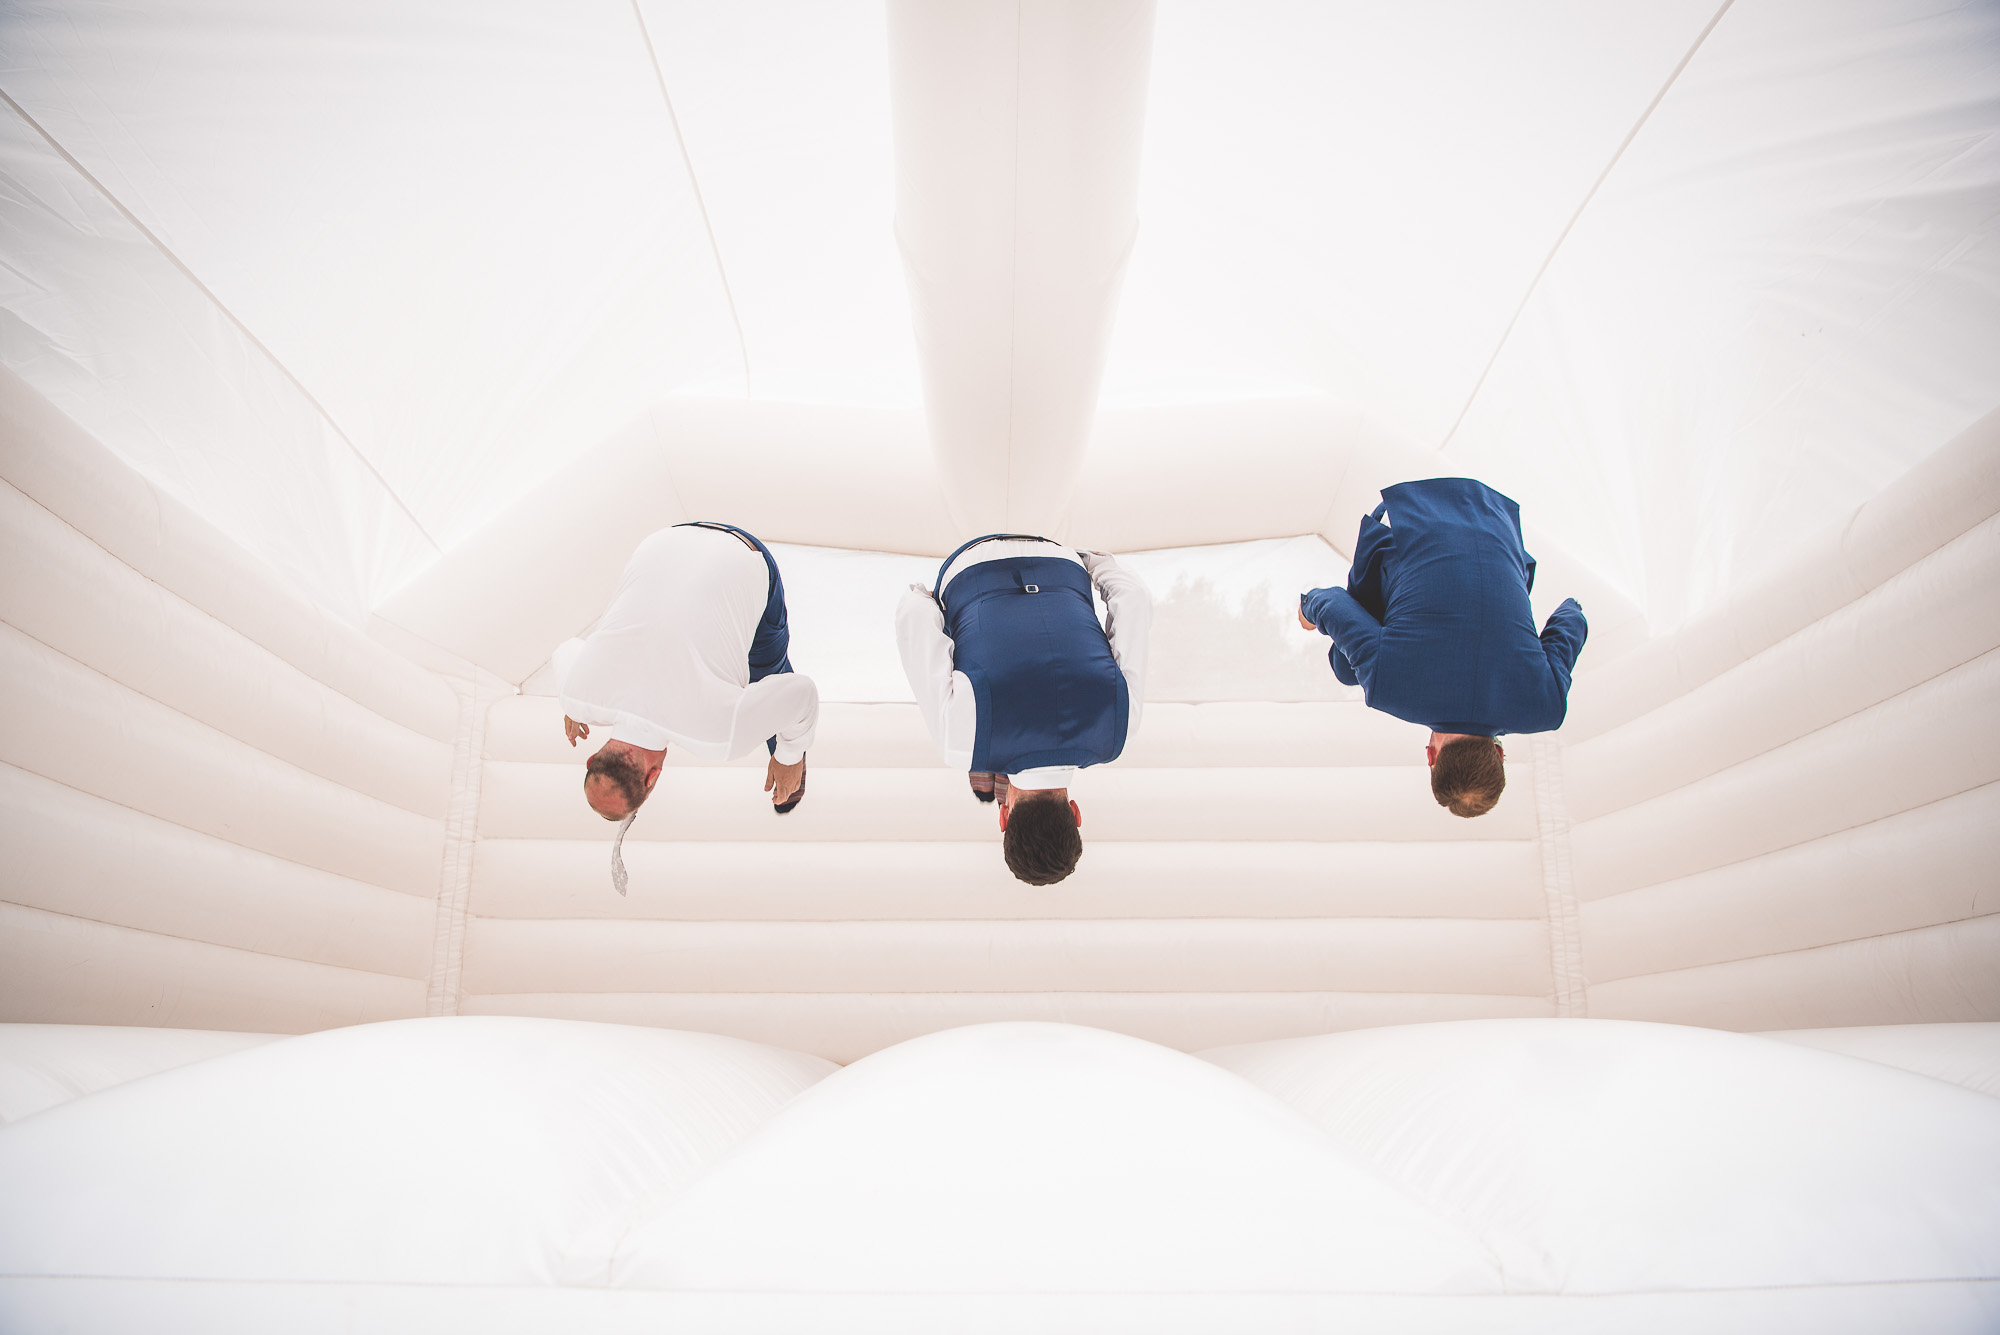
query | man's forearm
[784, 706]
[1348, 624]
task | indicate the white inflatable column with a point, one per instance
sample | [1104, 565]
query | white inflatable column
[1018, 127]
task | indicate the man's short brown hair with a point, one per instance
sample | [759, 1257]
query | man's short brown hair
[1041, 842]
[1468, 776]
[622, 770]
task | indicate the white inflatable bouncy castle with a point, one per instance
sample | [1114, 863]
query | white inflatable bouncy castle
[347, 351]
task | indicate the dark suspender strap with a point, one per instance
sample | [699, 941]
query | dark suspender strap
[937, 589]
[770, 561]
[741, 536]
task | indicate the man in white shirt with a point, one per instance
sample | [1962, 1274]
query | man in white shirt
[692, 652]
[1020, 684]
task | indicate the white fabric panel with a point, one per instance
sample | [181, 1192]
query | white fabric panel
[1936, 740]
[1924, 976]
[116, 335]
[52, 460]
[533, 878]
[1353, 199]
[1947, 495]
[474, 283]
[1934, 616]
[524, 582]
[1273, 736]
[199, 1171]
[1017, 129]
[72, 725]
[1388, 802]
[205, 1307]
[1160, 955]
[529, 579]
[1163, 1171]
[79, 855]
[1780, 299]
[64, 970]
[1917, 869]
[1604, 1158]
[1963, 1054]
[1258, 467]
[1095, 1156]
[846, 1026]
[79, 600]
[42, 1065]
[785, 113]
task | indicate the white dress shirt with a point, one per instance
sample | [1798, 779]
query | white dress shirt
[670, 661]
[944, 694]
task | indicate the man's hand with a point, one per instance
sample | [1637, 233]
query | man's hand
[574, 730]
[1303, 623]
[781, 781]
[988, 787]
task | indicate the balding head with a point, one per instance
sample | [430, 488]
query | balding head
[617, 780]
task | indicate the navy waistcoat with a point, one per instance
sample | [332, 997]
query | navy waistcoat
[1047, 688]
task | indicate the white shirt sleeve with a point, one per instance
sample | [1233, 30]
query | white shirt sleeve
[1128, 624]
[944, 696]
[562, 660]
[609, 722]
[785, 706]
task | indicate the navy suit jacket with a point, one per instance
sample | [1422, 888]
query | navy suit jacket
[1434, 624]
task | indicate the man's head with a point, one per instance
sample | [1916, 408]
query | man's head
[619, 778]
[1040, 834]
[1467, 772]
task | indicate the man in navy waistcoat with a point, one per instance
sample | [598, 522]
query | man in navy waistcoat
[1434, 626]
[1021, 686]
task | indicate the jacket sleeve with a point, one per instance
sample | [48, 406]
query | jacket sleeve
[1354, 631]
[1562, 640]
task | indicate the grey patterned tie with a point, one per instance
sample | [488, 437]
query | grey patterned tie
[618, 878]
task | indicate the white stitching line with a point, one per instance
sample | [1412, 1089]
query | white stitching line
[1804, 950]
[1013, 278]
[252, 951]
[701, 205]
[1558, 884]
[445, 986]
[1574, 218]
[227, 314]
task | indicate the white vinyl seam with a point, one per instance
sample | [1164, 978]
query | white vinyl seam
[694, 184]
[1528, 294]
[461, 841]
[223, 309]
[1558, 885]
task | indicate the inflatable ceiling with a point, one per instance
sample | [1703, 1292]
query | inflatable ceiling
[348, 350]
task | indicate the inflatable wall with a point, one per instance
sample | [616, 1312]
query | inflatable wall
[249, 815]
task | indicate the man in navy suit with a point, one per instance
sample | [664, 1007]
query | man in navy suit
[1021, 685]
[1434, 626]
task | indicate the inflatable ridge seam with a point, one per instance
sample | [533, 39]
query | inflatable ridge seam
[1558, 880]
[461, 838]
